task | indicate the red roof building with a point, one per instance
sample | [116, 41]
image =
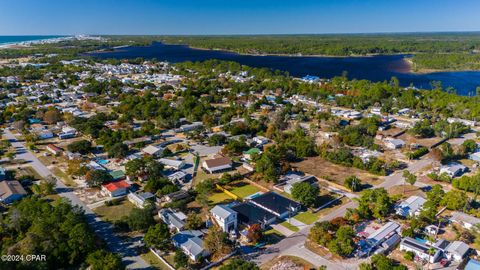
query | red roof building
[114, 189]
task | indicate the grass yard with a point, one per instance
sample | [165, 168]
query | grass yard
[306, 217]
[219, 197]
[244, 190]
[154, 261]
[289, 226]
[114, 212]
[28, 170]
[272, 236]
[67, 180]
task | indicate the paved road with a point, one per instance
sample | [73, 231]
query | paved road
[105, 230]
[294, 244]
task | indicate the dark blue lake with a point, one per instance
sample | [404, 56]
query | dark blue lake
[374, 68]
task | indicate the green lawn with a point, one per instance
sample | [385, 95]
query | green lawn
[67, 180]
[28, 170]
[219, 197]
[154, 261]
[114, 212]
[306, 217]
[289, 226]
[245, 191]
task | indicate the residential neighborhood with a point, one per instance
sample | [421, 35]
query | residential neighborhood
[196, 165]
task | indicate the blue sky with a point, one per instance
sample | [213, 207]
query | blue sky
[44, 17]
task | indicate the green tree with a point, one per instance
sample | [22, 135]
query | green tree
[96, 178]
[305, 193]
[83, 147]
[104, 260]
[118, 150]
[239, 264]
[353, 183]
[193, 222]
[158, 237]
[180, 259]
[140, 219]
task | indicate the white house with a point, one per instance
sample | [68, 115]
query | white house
[225, 217]
[191, 244]
[174, 219]
[217, 164]
[172, 163]
[419, 249]
[457, 251]
[392, 143]
[140, 199]
[153, 150]
[465, 220]
[410, 206]
[453, 169]
[115, 189]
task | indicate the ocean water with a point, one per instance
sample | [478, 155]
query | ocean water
[16, 39]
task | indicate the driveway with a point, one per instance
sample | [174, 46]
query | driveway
[103, 229]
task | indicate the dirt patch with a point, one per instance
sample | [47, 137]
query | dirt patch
[287, 263]
[406, 191]
[333, 172]
[427, 142]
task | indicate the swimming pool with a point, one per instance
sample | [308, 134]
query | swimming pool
[102, 161]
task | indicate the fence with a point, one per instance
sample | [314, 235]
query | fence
[235, 197]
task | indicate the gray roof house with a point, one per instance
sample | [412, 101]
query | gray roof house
[191, 244]
[225, 217]
[465, 220]
[410, 206]
[11, 191]
[174, 220]
[457, 251]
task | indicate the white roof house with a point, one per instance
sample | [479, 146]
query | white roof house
[153, 150]
[465, 220]
[386, 231]
[225, 217]
[410, 206]
[172, 163]
[453, 169]
[392, 143]
[457, 251]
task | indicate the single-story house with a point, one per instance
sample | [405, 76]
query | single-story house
[248, 154]
[453, 169]
[175, 220]
[172, 163]
[249, 214]
[54, 149]
[217, 164]
[383, 233]
[117, 175]
[153, 150]
[276, 204]
[44, 134]
[141, 199]
[225, 217]
[392, 143]
[178, 176]
[175, 196]
[410, 206]
[189, 127]
[11, 191]
[419, 249]
[457, 251]
[115, 189]
[191, 244]
[312, 180]
[260, 140]
[465, 220]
